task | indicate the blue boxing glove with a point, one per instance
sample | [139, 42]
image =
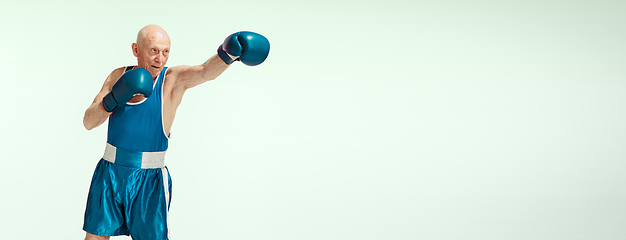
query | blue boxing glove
[136, 81]
[248, 47]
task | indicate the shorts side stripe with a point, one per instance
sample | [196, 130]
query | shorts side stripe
[167, 198]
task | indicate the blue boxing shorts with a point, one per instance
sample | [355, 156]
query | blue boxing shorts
[130, 194]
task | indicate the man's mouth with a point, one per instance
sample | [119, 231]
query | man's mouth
[155, 67]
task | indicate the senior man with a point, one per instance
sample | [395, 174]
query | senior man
[130, 190]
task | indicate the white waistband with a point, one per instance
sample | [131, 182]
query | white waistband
[132, 158]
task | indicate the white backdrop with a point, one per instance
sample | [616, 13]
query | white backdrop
[369, 120]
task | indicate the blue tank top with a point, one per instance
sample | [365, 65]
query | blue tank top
[139, 126]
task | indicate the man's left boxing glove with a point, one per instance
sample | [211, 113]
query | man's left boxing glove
[136, 81]
[248, 47]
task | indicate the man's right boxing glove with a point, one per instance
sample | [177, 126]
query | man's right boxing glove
[248, 47]
[136, 81]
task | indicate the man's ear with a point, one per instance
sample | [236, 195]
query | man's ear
[135, 48]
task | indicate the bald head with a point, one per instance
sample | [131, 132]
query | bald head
[152, 33]
[152, 49]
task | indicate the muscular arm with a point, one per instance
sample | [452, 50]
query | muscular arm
[95, 115]
[248, 47]
[191, 76]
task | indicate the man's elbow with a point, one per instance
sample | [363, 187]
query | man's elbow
[87, 125]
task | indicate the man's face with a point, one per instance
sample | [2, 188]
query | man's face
[152, 52]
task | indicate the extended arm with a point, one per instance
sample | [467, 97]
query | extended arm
[191, 76]
[248, 47]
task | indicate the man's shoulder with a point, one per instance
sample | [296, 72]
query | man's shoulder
[174, 72]
[170, 76]
[117, 72]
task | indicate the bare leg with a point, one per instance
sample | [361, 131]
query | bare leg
[95, 237]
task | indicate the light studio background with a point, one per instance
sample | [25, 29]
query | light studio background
[369, 120]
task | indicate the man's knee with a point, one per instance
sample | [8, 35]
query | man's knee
[95, 237]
